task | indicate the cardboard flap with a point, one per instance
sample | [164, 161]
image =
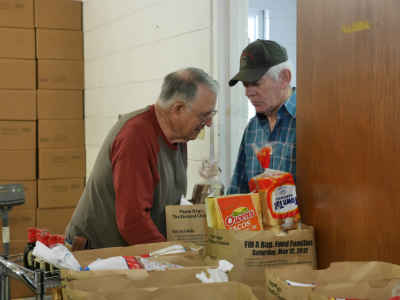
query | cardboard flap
[70, 275]
[360, 280]
[110, 281]
[85, 257]
[199, 291]
[358, 272]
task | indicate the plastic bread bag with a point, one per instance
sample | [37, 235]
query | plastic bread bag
[211, 185]
[114, 263]
[277, 192]
[150, 264]
[238, 212]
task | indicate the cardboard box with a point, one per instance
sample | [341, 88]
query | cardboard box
[164, 285]
[16, 13]
[187, 223]
[61, 163]
[194, 256]
[30, 194]
[17, 105]
[60, 74]
[138, 278]
[17, 43]
[56, 193]
[57, 105]
[251, 251]
[15, 246]
[17, 74]
[59, 44]
[18, 164]
[54, 219]
[17, 288]
[60, 14]
[19, 221]
[17, 135]
[341, 280]
[60, 134]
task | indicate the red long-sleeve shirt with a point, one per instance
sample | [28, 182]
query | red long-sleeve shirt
[130, 188]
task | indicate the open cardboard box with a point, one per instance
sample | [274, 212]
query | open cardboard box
[194, 255]
[351, 280]
[141, 284]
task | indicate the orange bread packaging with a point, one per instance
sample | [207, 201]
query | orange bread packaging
[238, 212]
[277, 192]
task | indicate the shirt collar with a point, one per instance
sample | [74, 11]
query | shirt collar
[290, 104]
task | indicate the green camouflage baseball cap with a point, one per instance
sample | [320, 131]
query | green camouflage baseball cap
[257, 58]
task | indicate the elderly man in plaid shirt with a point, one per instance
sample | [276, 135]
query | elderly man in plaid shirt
[266, 74]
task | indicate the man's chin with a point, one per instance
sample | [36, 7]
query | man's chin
[194, 135]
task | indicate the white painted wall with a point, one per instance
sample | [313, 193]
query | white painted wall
[230, 38]
[283, 20]
[130, 45]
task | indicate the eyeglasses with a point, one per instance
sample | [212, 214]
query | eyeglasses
[205, 117]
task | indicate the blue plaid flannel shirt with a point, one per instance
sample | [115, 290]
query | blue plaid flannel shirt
[258, 132]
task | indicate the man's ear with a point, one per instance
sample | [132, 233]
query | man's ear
[285, 77]
[178, 107]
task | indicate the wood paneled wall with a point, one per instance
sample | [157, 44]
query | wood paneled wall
[348, 127]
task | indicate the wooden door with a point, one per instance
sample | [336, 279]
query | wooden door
[348, 127]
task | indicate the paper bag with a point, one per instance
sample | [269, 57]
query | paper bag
[186, 223]
[105, 281]
[356, 280]
[251, 251]
[85, 257]
[193, 291]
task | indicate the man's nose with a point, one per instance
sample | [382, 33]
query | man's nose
[209, 121]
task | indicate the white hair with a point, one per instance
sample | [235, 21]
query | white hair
[274, 71]
[183, 84]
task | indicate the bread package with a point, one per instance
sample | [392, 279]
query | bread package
[278, 199]
[239, 212]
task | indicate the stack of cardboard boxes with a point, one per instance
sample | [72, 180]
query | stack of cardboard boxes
[41, 113]
[18, 112]
[61, 155]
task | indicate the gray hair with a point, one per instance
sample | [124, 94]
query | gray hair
[274, 71]
[182, 85]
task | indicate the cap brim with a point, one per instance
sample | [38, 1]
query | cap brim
[248, 75]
